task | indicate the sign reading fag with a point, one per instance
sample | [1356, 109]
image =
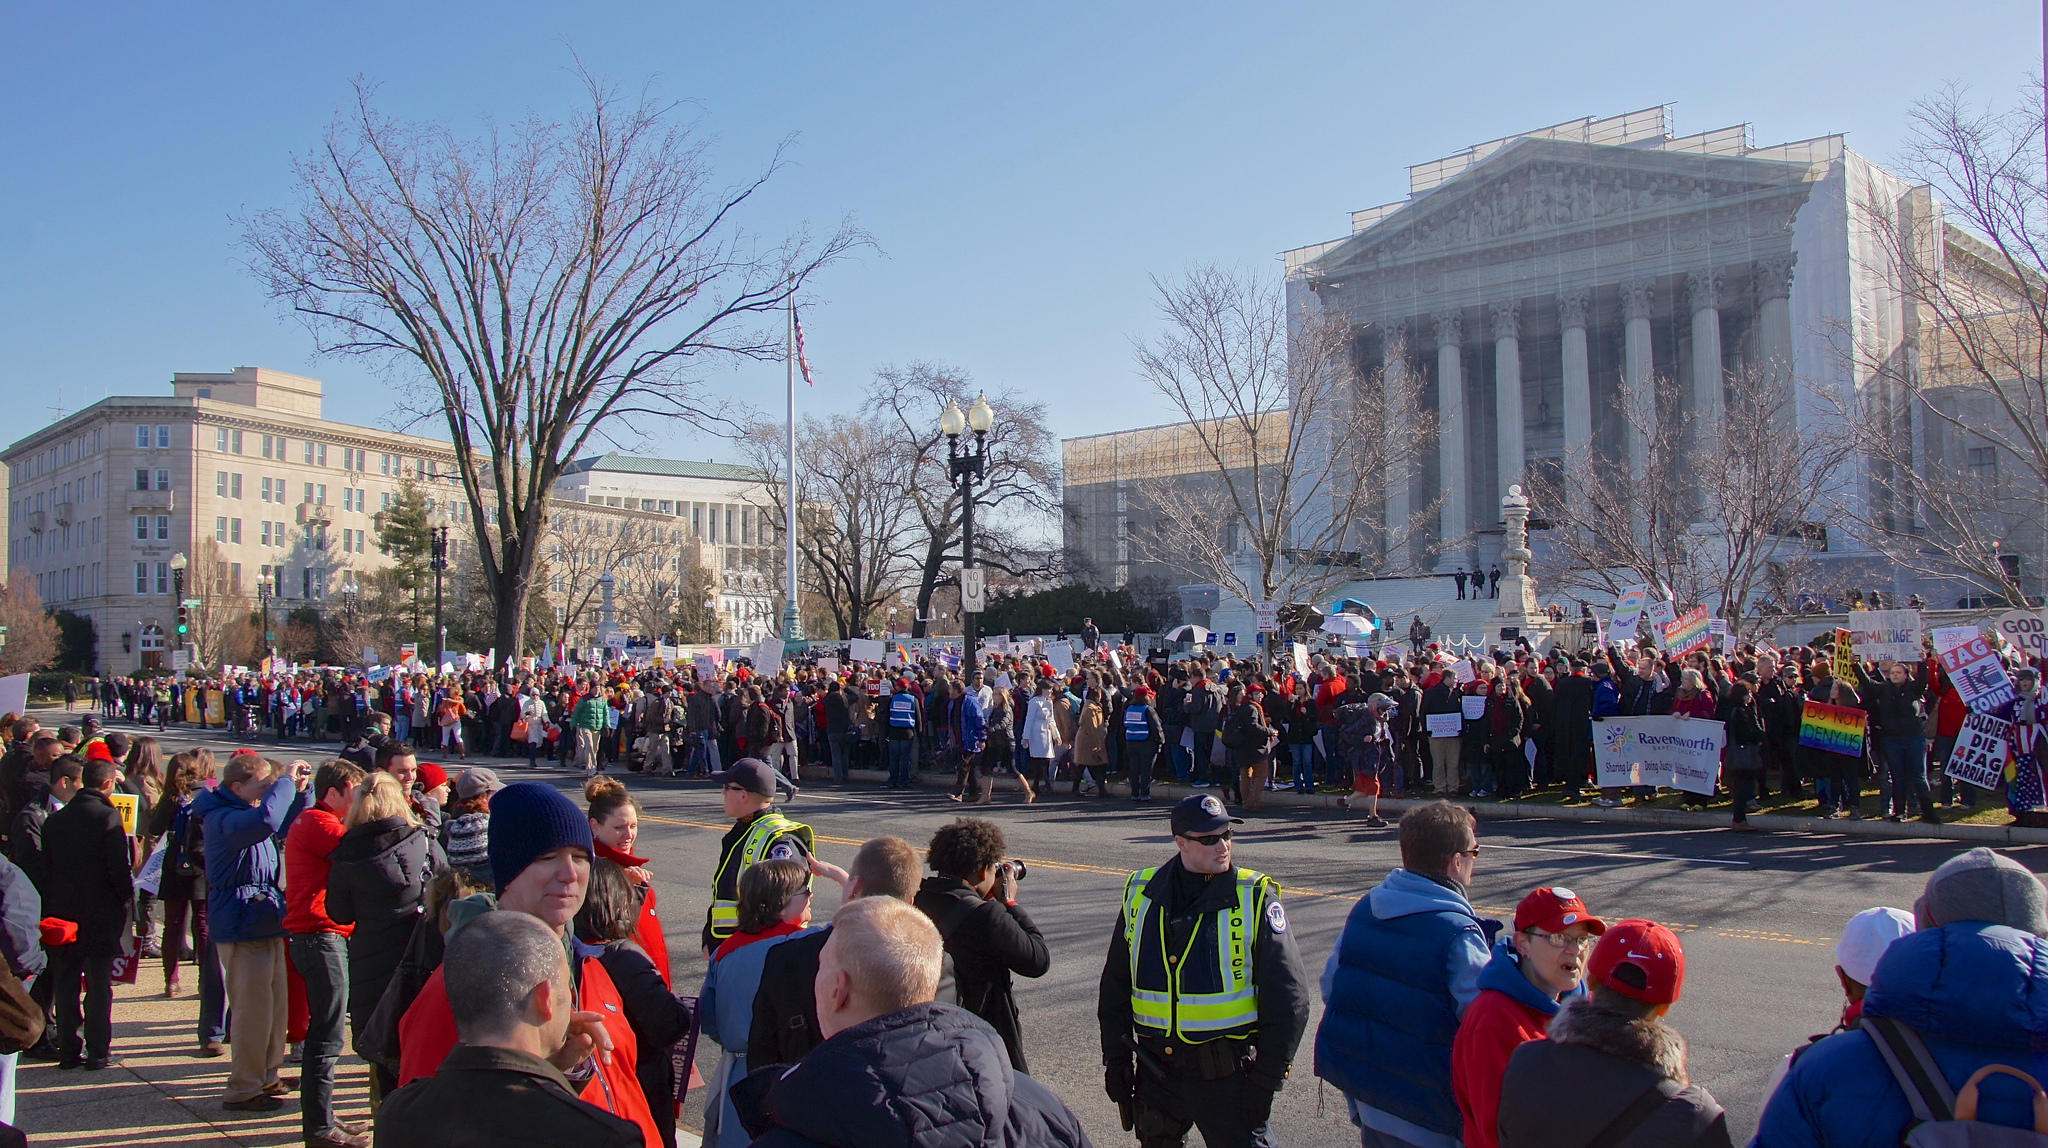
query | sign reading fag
[1982, 747]
[1973, 668]
[1845, 655]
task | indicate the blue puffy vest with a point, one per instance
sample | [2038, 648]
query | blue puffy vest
[1135, 726]
[903, 711]
[1390, 1018]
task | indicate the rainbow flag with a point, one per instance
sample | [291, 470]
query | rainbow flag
[1833, 729]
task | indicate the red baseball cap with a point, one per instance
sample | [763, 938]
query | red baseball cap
[1553, 909]
[1641, 960]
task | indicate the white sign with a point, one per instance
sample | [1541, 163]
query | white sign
[1473, 705]
[1684, 753]
[828, 666]
[1299, 653]
[2025, 629]
[1627, 608]
[1061, 655]
[369, 655]
[14, 694]
[973, 591]
[1982, 747]
[1888, 635]
[1660, 614]
[768, 657]
[1268, 614]
[1973, 668]
[181, 660]
[1444, 725]
[707, 670]
[864, 649]
[1462, 670]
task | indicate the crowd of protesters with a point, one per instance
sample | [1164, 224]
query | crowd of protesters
[497, 955]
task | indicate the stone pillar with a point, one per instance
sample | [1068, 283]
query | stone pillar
[1395, 378]
[1703, 294]
[1453, 484]
[1578, 378]
[1774, 317]
[1639, 397]
[1507, 392]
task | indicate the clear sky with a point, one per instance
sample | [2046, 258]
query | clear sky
[1023, 168]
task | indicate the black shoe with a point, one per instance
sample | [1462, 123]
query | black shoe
[44, 1049]
[97, 1063]
[70, 1062]
[253, 1104]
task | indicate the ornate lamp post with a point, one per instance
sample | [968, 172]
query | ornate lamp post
[178, 564]
[263, 603]
[437, 534]
[967, 469]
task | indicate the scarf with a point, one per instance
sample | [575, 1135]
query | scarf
[742, 940]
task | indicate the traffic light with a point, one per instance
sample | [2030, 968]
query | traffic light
[184, 620]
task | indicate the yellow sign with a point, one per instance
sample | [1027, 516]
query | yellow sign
[216, 708]
[126, 804]
[1845, 656]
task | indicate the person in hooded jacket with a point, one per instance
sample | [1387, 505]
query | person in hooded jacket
[1613, 1072]
[377, 881]
[1520, 989]
[896, 1066]
[1971, 984]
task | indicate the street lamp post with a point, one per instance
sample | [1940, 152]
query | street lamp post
[967, 469]
[178, 564]
[438, 541]
[263, 603]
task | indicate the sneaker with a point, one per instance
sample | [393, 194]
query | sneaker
[1607, 803]
[99, 1063]
[1376, 822]
[1840, 815]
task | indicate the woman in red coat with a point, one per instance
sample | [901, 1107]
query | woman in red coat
[614, 827]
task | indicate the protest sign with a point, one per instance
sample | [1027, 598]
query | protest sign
[768, 656]
[828, 666]
[1659, 615]
[14, 694]
[1444, 725]
[1973, 667]
[2025, 629]
[1886, 635]
[1627, 608]
[1462, 671]
[865, 649]
[707, 670]
[1982, 747]
[1845, 655]
[1680, 752]
[125, 804]
[1833, 729]
[1061, 655]
[1473, 705]
[1684, 635]
[1299, 653]
[1723, 640]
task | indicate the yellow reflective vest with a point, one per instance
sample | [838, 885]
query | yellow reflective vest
[749, 850]
[1206, 991]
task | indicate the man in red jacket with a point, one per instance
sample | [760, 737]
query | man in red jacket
[540, 850]
[318, 952]
[1531, 973]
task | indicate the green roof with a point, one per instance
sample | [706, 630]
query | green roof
[664, 468]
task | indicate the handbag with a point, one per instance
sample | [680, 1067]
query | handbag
[519, 729]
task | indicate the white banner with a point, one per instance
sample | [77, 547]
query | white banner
[1982, 746]
[1061, 655]
[1887, 635]
[1684, 753]
[768, 657]
[1444, 725]
[864, 649]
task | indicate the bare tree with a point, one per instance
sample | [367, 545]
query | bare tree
[32, 639]
[545, 283]
[1294, 441]
[1728, 515]
[221, 626]
[1955, 430]
[855, 537]
[584, 546]
[1017, 501]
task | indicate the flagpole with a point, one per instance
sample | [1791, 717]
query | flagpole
[792, 611]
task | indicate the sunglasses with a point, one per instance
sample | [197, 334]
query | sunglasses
[1209, 838]
[1472, 853]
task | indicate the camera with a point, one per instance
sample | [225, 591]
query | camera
[1015, 868]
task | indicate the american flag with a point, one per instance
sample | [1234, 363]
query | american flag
[803, 364]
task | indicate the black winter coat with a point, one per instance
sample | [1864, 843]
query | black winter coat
[931, 1075]
[1565, 1091]
[986, 941]
[377, 881]
[89, 880]
[659, 1019]
[785, 1027]
[497, 1098]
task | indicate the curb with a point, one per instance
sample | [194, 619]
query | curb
[1513, 810]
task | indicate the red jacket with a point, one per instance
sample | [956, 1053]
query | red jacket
[427, 1033]
[1494, 1026]
[306, 848]
[647, 931]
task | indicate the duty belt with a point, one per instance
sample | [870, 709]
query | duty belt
[1210, 1060]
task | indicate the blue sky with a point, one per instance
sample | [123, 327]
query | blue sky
[1024, 169]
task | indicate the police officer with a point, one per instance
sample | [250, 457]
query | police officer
[759, 833]
[1203, 996]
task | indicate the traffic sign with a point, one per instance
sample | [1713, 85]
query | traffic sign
[1230, 637]
[1268, 613]
[973, 590]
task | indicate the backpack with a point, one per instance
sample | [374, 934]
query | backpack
[1943, 1118]
[186, 853]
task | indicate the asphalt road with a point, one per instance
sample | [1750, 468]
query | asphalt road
[1758, 913]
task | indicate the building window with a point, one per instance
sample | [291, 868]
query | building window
[360, 548]
[142, 528]
[220, 529]
[163, 577]
[163, 479]
[163, 436]
[386, 504]
[1984, 461]
[220, 483]
[266, 489]
[220, 439]
[238, 442]
[141, 437]
[235, 484]
[234, 530]
[141, 478]
[266, 532]
[142, 577]
[235, 577]
[163, 528]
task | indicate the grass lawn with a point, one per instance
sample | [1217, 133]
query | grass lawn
[1990, 809]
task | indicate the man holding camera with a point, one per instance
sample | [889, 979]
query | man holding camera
[987, 935]
[1204, 998]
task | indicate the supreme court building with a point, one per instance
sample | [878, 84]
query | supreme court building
[1527, 277]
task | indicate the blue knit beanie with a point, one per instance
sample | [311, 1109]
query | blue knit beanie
[527, 820]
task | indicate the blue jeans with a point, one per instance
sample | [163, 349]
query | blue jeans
[1304, 765]
[1178, 754]
[1906, 760]
[322, 961]
[901, 762]
[842, 754]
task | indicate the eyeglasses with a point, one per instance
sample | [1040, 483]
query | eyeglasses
[1562, 941]
[1473, 853]
[1209, 838]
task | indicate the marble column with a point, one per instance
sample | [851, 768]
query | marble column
[1703, 294]
[1394, 376]
[1639, 395]
[1453, 484]
[1507, 393]
[1774, 317]
[1578, 378]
